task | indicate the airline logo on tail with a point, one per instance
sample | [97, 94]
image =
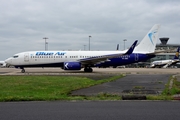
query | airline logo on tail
[177, 54]
[152, 35]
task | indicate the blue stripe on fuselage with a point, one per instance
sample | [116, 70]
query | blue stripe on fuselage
[124, 60]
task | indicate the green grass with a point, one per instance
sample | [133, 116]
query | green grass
[47, 88]
[36, 88]
[138, 87]
[159, 97]
[175, 87]
[169, 91]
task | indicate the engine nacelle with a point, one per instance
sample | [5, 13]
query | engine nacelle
[72, 66]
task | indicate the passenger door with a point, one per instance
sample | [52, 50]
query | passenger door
[26, 57]
[136, 57]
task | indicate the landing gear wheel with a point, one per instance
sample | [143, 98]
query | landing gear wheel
[23, 70]
[88, 69]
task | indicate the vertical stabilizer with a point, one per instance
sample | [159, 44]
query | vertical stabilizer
[177, 54]
[148, 43]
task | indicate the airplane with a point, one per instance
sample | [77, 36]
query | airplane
[166, 63]
[76, 60]
[2, 64]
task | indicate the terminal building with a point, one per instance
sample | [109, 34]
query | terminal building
[163, 45]
[172, 48]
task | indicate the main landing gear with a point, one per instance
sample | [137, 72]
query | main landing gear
[23, 70]
[88, 69]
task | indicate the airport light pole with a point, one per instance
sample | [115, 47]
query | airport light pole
[89, 42]
[124, 43]
[47, 46]
[45, 42]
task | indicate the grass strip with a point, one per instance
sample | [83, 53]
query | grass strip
[174, 89]
[46, 88]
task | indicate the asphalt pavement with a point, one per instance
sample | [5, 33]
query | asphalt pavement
[90, 110]
[131, 83]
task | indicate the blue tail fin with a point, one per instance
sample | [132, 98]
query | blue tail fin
[177, 54]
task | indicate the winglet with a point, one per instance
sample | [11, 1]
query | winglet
[131, 49]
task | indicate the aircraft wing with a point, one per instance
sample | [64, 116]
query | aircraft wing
[104, 58]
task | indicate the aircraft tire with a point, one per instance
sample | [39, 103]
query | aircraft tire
[23, 71]
[88, 69]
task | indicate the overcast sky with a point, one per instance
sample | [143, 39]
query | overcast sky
[69, 23]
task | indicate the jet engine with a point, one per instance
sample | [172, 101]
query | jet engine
[72, 66]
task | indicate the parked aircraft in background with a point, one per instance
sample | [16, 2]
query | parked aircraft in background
[75, 60]
[166, 63]
[2, 64]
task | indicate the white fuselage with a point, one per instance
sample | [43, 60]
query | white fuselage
[163, 63]
[48, 57]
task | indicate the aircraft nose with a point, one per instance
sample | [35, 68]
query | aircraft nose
[8, 61]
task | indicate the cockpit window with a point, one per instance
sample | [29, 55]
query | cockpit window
[15, 56]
